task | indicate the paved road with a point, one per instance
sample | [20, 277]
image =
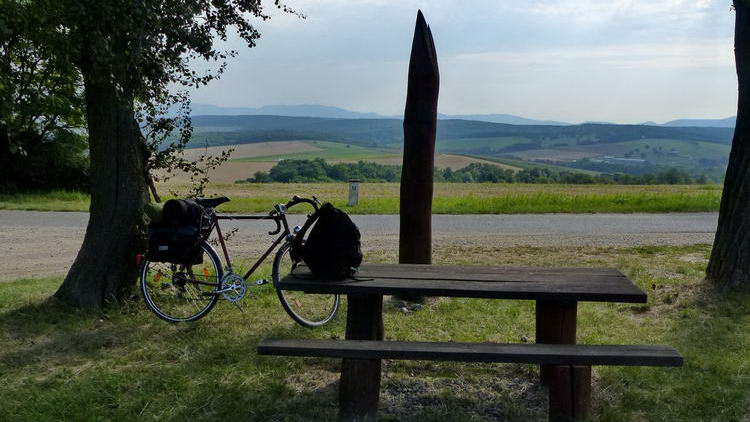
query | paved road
[42, 243]
[550, 224]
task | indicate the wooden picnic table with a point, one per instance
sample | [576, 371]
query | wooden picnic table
[557, 291]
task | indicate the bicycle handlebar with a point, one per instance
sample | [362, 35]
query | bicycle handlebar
[297, 200]
[277, 214]
[278, 225]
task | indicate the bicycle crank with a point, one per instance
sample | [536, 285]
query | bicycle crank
[233, 287]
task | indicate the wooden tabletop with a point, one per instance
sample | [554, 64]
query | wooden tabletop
[529, 283]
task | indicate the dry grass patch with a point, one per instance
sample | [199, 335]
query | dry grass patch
[258, 149]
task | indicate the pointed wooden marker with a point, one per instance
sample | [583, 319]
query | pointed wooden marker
[420, 125]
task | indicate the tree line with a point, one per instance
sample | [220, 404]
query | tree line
[318, 170]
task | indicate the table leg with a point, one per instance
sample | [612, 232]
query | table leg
[359, 387]
[555, 324]
[569, 393]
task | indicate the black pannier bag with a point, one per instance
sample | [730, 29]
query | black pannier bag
[332, 250]
[177, 237]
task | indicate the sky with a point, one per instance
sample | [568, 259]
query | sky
[622, 61]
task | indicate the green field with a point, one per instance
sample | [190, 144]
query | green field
[449, 198]
[528, 165]
[671, 152]
[331, 151]
[666, 152]
[466, 144]
[125, 364]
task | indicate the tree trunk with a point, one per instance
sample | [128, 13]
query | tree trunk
[730, 259]
[4, 148]
[105, 269]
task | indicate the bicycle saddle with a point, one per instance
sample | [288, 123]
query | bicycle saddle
[211, 202]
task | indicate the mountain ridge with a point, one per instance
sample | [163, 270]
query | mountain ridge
[331, 112]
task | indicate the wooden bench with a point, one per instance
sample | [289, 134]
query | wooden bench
[565, 366]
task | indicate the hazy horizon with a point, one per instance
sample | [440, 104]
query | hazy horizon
[625, 61]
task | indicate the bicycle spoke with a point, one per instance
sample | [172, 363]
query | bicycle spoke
[176, 293]
[310, 310]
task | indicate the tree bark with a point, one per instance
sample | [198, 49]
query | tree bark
[729, 265]
[105, 269]
[4, 147]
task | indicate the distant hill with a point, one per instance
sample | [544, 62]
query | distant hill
[728, 122]
[224, 130]
[316, 110]
[608, 148]
[302, 110]
[501, 118]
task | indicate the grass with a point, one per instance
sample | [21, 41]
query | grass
[58, 200]
[124, 364]
[329, 151]
[449, 198]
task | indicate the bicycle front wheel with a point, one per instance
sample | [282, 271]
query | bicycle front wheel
[307, 309]
[182, 293]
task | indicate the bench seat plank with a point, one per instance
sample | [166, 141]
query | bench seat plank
[533, 353]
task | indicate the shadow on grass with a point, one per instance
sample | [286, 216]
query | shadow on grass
[710, 330]
[151, 370]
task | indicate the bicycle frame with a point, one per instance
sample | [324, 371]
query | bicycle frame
[278, 215]
[281, 238]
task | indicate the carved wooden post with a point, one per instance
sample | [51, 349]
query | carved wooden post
[420, 125]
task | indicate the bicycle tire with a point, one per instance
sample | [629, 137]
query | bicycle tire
[319, 309]
[149, 285]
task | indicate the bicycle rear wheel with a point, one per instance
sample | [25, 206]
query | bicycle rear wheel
[307, 309]
[182, 293]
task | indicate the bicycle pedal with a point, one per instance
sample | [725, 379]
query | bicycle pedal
[261, 282]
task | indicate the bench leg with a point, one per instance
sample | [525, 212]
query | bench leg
[569, 393]
[359, 387]
[555, 324]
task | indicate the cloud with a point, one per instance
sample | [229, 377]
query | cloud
[654, 56]
[656, 60]
[597, 11]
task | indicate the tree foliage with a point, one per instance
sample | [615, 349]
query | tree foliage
[317, 170]
[42, 137]
[131, 62]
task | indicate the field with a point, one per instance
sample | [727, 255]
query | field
[669, 152]
[246, 159]
[449, 198]
[694, 149]
[329, 151]
[529, 165]
[124, 364]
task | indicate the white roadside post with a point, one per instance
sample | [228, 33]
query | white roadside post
[353, 192]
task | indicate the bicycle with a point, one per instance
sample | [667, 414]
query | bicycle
[184, 293]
